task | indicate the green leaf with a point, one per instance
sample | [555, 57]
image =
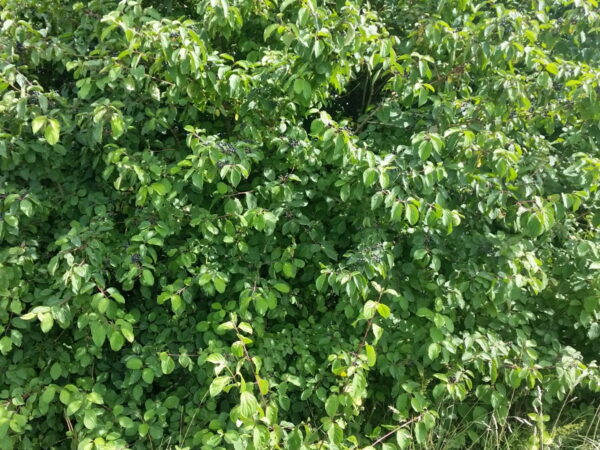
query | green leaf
[412, 214]
[403, 438]
[303, 87]
[126, 422]
[245, 327]
[320, 282]
[46, 321]
[48, 394]
[134, 363]
[298, 85]
[219, 285]
[418, 402]
[5, 345]
[420, 432]
[143, 429]
[369, 177]
[289, 270]
[269, 30]
[590, 304]
[335, 434]
[224, 7]
[397, 209]
[294, 440]
[56, 371]
[98, 333]
[248, 404]
[534, 225]
[594, 331]
[369, 309]
[229, 325]
[552, 68]
[95, 398]
[147, 278]
[52, 131]
[11, 220]
[116, 340]
[65, 396]
[162, 188]
[148, 375]
[383, 310]
[117, 126]
[27, 207]
[384, 179]
[425, 149]
[234, 84]
[318, 48]
[424, 312]
[331, 405]
[38, 123]
[371, 355]
[436, 334]
[218, 384]
[235, 177]
[73, 407]
[216, 358]
[127, 331]
[377, 332]
[261, 305]
[376, 200]
[420, 253]
[167, 365]
[263, 386]
[433, 350]
[422, 98]
[282, 287]
[116, 295]
[89, 419]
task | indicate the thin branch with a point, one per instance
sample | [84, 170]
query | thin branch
[387, 435]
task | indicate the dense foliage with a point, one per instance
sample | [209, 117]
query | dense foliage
[296, 224]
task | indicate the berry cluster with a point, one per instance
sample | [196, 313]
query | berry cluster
[32, 99]
[227, 148]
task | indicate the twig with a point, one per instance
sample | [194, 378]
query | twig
[387, 435]
[363, 122]
[252, 365]
[235, 194]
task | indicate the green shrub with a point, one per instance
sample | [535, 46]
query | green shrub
[298, 224]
